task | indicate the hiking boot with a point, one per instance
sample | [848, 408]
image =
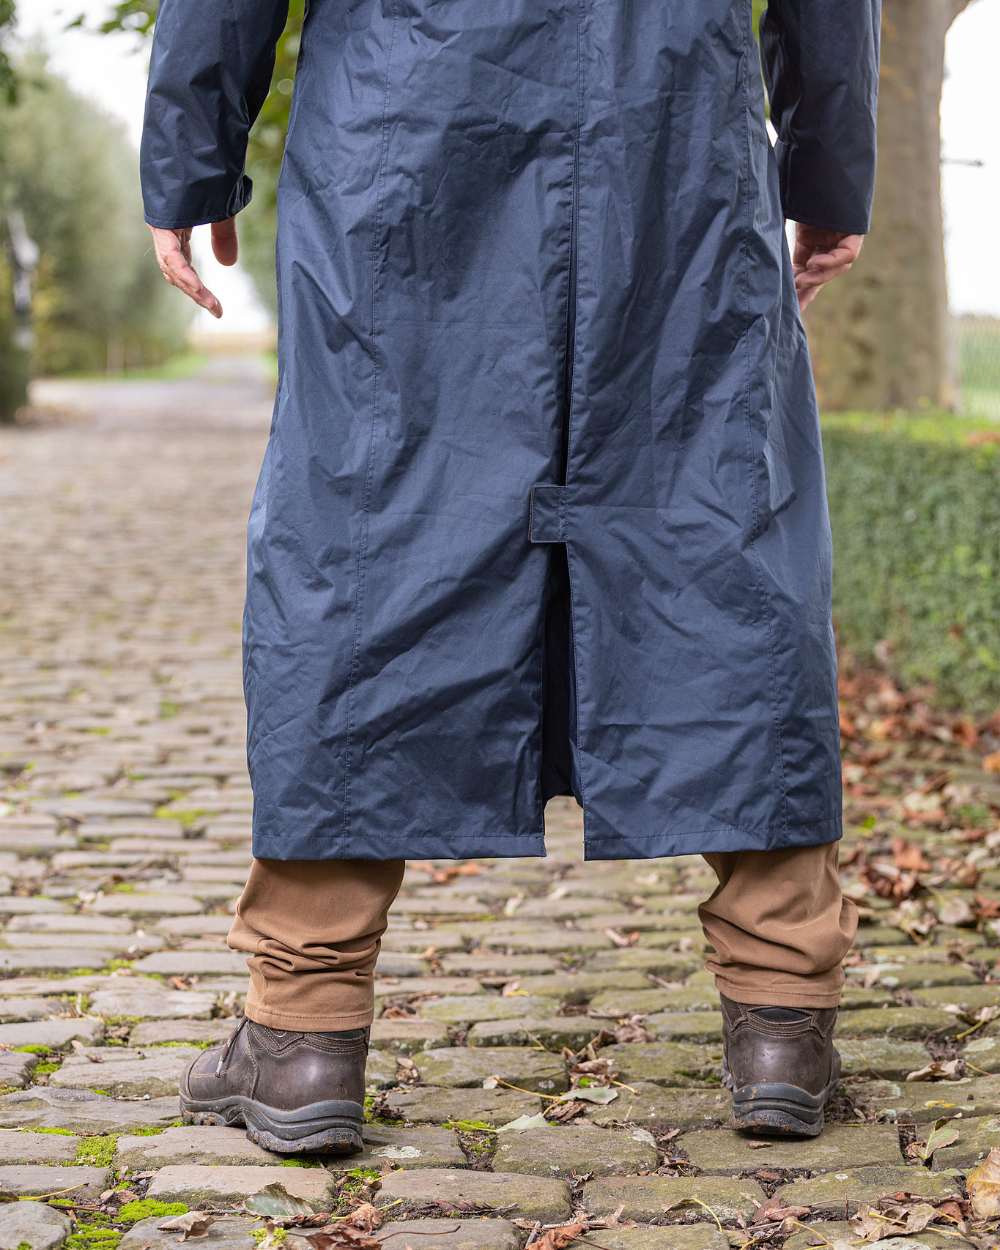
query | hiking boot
[781, 1066]
[292, 1091]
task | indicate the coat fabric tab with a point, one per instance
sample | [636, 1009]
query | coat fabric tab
[543, 509]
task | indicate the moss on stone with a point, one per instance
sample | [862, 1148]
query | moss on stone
[97, 1151]
[93, 1236]
[144, 1208]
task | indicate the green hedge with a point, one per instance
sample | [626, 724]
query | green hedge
[915, 503]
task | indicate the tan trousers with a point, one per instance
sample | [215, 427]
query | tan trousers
[777, 921]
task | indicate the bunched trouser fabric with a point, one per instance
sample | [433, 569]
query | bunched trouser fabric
[778, 923]
[313, 932]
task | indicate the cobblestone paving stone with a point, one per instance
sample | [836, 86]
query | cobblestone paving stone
[504, 986]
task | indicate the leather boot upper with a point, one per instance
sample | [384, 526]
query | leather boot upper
[281, 1068]
[793, 1046]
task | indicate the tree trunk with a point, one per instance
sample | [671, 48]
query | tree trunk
[881, 337]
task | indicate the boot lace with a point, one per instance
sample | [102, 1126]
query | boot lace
[227, 1050]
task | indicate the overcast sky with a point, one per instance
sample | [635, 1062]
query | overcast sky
[111, 70]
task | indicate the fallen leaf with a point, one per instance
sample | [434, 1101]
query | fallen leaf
[775, 1211]
[338, 1237]
[524, 1122]
[940, 1136]
[365, 1216]
[191, 1224]
[983, 1184]
[275, 1202]
[937, 1070]
[909, 855]
[559, 1238]
[601, 1094]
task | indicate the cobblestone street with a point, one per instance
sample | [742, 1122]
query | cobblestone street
[547, 1049]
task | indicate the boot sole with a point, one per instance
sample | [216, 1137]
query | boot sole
[775, 1109]
[332, 1127]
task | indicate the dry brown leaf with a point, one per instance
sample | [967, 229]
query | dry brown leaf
[365, 1216]
[633, 1030]
[191, 1224]
[559, 1238]
[909, 856]
[775, 1211]
[937, 1070]
[340, 1237]
[986, 908]
[983, 1184]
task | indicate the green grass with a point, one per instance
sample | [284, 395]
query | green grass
[177, 368]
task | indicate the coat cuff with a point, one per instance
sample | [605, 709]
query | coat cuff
[196, 209]
[818, 190]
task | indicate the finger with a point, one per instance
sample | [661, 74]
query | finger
[225, 243]
[840, 258]
[180, 273]
[819, 275]
[807, 297]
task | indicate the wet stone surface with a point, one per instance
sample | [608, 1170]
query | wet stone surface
[124, 836]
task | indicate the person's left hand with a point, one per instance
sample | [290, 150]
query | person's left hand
[819, 257]
[173, 255]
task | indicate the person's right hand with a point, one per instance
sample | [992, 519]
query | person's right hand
[819, 257]
[173, 255]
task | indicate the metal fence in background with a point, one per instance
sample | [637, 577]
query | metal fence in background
[978, 343]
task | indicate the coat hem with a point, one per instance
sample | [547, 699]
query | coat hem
[482, 845]
[479, 845]
[666, 845]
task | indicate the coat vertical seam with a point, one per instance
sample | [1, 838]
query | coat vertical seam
[370, 467]
[572, 306]
[752, 554]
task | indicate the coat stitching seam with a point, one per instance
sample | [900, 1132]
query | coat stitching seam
[370, 469]
[572, 302]
[754, 558]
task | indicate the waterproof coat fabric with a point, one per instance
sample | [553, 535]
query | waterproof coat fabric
[542, 510]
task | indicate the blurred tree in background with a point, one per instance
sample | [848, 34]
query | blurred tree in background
[13, 367]
[99, 303]
[886, 339]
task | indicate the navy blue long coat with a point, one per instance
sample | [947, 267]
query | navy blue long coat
[542, 510]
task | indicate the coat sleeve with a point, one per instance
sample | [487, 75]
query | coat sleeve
[821, 63]
[209, 74]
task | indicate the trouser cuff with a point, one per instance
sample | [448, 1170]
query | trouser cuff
[277, 1019]
[763, 995]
